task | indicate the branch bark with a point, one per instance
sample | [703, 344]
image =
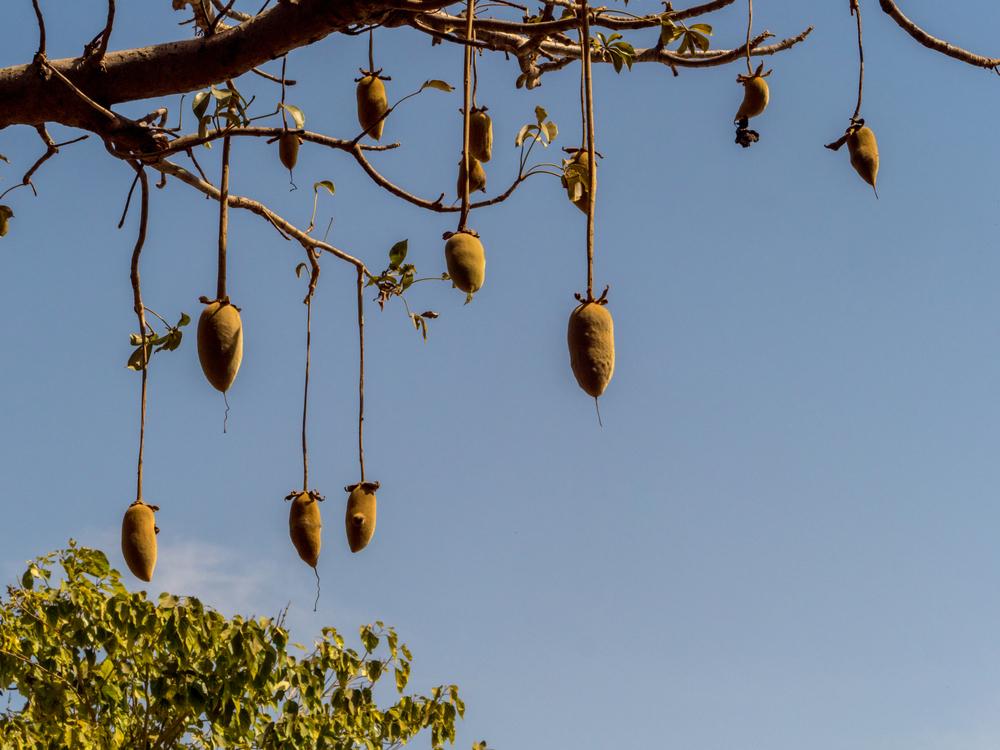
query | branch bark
[932, 42]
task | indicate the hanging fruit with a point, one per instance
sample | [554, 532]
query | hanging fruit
[359, 520]
[466, 260]
[372, 103]
[305, 526]
[480, 135]
[863, 148]
[220, 343]
[139, 539]
[591, 339]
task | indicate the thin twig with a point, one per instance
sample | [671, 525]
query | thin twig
[96, 48]
[931, 42]
[40, 55]
[749, 27]
[305, 393]
[51, 149]
[856, 11]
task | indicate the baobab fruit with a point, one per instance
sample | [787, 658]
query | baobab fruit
[466, 259]
[755, 97]
[480, 135]
[288, 149]
[139, 539]
[591, 339]
[477, 177]
[360, 517]
[578, 166]
[305, 526]
[220, 343]
[863, 148]
[372, 105]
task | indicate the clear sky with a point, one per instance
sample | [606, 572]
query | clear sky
[785, 535]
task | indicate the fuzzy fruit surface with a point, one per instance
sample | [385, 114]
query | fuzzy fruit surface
[139, 540]
[305, 526]
[220, 343]
[360, 517]
[591, 339]
[477, 177]
[864, 154]
[755, 98]
[581, 158]
[466, 260]
[481, 135]
[372, 104]
[288, 150]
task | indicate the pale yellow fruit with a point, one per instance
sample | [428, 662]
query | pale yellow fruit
[220, 343]
[361, 515]
[591, 339]
[480, 135]
[288, 150]
[372, 104]
[305, 526]
[477, 177]
[755, 98]
[466, 259]
[139, 540]
[864, 154]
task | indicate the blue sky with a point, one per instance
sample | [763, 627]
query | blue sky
[785, 534]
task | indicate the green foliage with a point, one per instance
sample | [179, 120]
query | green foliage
[155, 342]
[88, 664]
[396, 279]
[542, 131]
[621, 53]
[693, 38]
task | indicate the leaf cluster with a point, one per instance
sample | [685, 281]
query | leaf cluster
[693, 38]
[88, 664]
[150, 343]
[620, 52]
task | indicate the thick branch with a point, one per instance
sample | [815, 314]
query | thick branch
[178, 67]
[938, 45]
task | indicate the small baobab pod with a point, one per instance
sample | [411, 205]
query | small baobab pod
[591, 339]
[477, 177]
[480, 135]
[372, 105]
[288, 149]
[305, 526]
[863, 148]
[139, 539]
[576, 179]
[360, 517]
[466, 259]
[755, 97]
[220, 343]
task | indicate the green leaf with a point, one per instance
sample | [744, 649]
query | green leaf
[397, 253]
[540, 114]
[327, 184]
[297, 115]
[523, 132]
[185, 319]
[199, 105]
[704, 28]
[439, 85]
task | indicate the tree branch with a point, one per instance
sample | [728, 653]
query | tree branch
[938, 45]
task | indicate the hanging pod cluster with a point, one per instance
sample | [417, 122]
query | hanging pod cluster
[220, 342]
[139, 539]
[372, 103]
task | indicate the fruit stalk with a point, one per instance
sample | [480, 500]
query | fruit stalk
[466, 116]
[588, 87]
[361, 372]
[856, 11]
[140, 312]
[220, 292]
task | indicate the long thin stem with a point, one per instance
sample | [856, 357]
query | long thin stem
[361, 372]
[467, 114]
[220, 292]
[588, 86]
[856, 11]
[749, 27]
[140, 312]
[305, 395]
[371, 50]
[41, 29]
